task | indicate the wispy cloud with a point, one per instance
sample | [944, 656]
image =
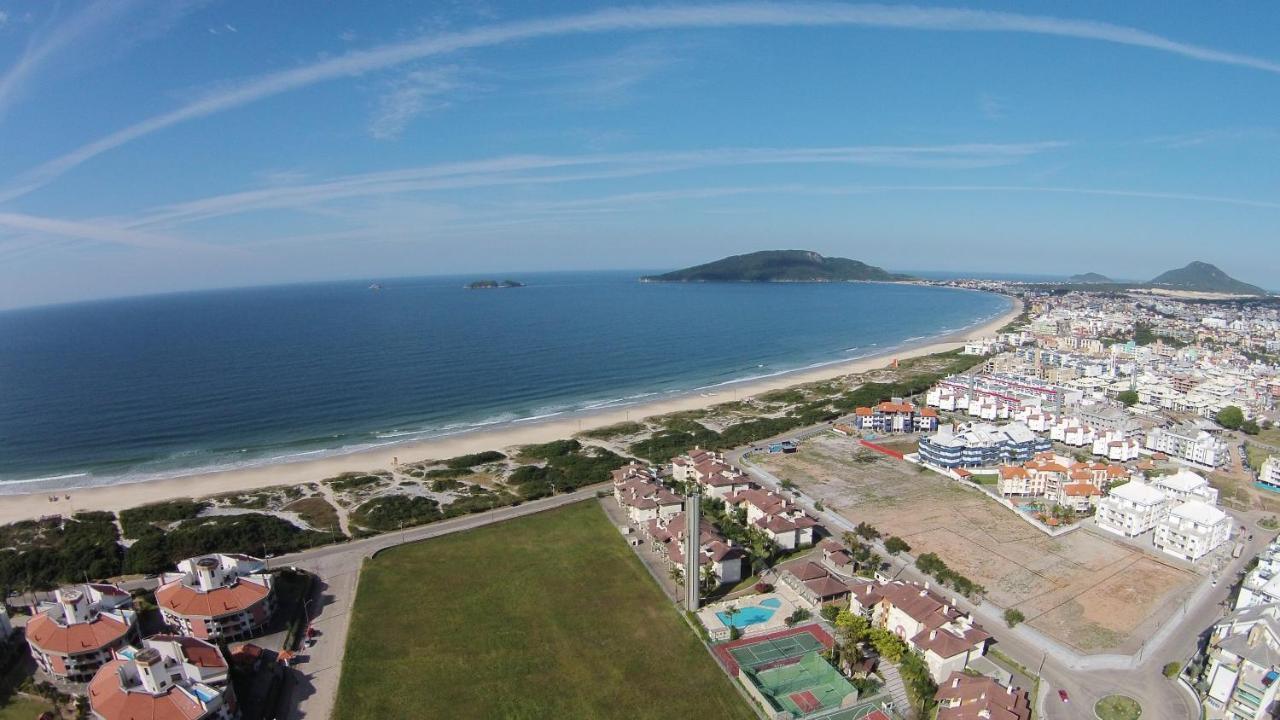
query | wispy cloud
[992, 107]
[1209, 137]
[543, 169]
[632, 20]
[96, 232]
[409, 96]
[45, 46]
[612, 79]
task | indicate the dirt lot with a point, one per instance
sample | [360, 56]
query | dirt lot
[1090, 591]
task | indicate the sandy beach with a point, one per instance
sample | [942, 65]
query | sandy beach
[121, 496]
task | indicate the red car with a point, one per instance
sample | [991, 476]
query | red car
[1062, 694]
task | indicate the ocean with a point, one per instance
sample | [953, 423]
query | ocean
[128, 389]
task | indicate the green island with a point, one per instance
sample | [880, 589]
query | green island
[550, 615]
[494, 284]
[779, 266]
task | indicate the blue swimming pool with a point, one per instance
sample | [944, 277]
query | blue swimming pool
[750, 614]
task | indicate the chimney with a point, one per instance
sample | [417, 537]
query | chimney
[205, 568]
[933, 634]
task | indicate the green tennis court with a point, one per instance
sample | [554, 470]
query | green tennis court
[802, 687]
[769, 651]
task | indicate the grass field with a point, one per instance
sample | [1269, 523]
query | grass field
[23, 708]
[547, 616]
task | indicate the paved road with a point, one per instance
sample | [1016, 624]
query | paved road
[1086, 678]
[315, 687]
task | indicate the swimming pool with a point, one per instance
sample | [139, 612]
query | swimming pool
[750, 614]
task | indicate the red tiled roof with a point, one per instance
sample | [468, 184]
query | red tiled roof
[46, 634]
[190, 602]
[980, 698]
[111, 701]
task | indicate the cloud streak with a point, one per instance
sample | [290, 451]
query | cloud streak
[634, 19]
[96, 232]
[541, 169]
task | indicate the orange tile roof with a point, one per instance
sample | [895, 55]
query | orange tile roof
[112, 702]
[47, 635]
[190, 602]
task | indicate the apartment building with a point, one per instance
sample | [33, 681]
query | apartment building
[1186, 485]
[220, 598]
[1132, 509]
[1192, 530]
[643, 497]
[782, 521]
[1244, 665]
[896, 416]
[1262, 584]
[724, 559]
[74, 636]
[714, 477]
[1189, 443]
[947, 638]
[1270, 475]
[981, 445]
[969, 697]
[168, 678]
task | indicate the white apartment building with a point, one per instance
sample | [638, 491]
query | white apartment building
[1270, 475]
[1192, 530]
[1116, 447]
[1186, 485]
[1190, 444]
[1132, 509]
[1262, 585]
[168, 677]
[1244, 657]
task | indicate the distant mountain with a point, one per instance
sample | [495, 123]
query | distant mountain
[778, 266]
[1091, 278]
[1203, 277]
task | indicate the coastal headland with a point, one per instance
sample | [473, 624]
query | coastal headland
[35, 504]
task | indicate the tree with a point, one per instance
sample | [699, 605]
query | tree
[919, 684]
[1171, 670]
[1128, 397]
[829, 613]
[1230, 417]
[852, 628]
[1250, 427]
[1013, 616]
[866, 531]
[896, 545]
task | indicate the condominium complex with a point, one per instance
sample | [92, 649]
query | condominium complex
[168, 678]
[220, 598]
[896, 416]
[1192, 530]
[1186, 485]
[969, 697]
[929, 623]
[1188, 443]
[1244, 665]
[1270, 475]
[1132, 509]
[1262, 584]
[76, 634]
[981, 445]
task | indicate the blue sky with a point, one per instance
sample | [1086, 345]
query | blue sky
[159, 146]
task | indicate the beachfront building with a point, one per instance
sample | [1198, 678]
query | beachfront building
[1190, 444]
[715, 477]
[947, 638]
[1262, 584]
[981, 445]
[896, 416]
[1044, 475]
[782, 521]
[220, 598]
[724, 559]
[168, 678]
[1132, 509]
[1186, 485]
[76, 634]
[969, 697]
[1244, 665]
[1192, 530]
[638, 492]
[1269, 477]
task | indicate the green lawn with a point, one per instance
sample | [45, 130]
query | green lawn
[548, 616]
[19, 707]
[1117, 707]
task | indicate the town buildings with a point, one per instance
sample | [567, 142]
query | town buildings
[981, 445]
[781, 520]
[722, 558]
[1244, 665]
[76, 634]
[220, 598]
[968, 697]
[168, 678]
[1269, 477]
[1192, 530]
[896, 416]
[714, 477]
[1132, 509]
[1190, 444]
[1262, 584]
[1186, 485]
[947, 638]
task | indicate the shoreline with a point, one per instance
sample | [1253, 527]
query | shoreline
[35, 504]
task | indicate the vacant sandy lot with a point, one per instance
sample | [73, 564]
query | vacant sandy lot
[1090, 591]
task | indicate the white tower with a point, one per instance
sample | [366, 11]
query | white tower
[692, 550]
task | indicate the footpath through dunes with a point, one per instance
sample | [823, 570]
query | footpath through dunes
[546, 616]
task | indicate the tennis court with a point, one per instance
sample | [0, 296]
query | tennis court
[758, 652]
[802, 686]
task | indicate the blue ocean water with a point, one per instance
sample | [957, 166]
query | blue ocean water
[163, 385]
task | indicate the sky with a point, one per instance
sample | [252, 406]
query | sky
[156, 146]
